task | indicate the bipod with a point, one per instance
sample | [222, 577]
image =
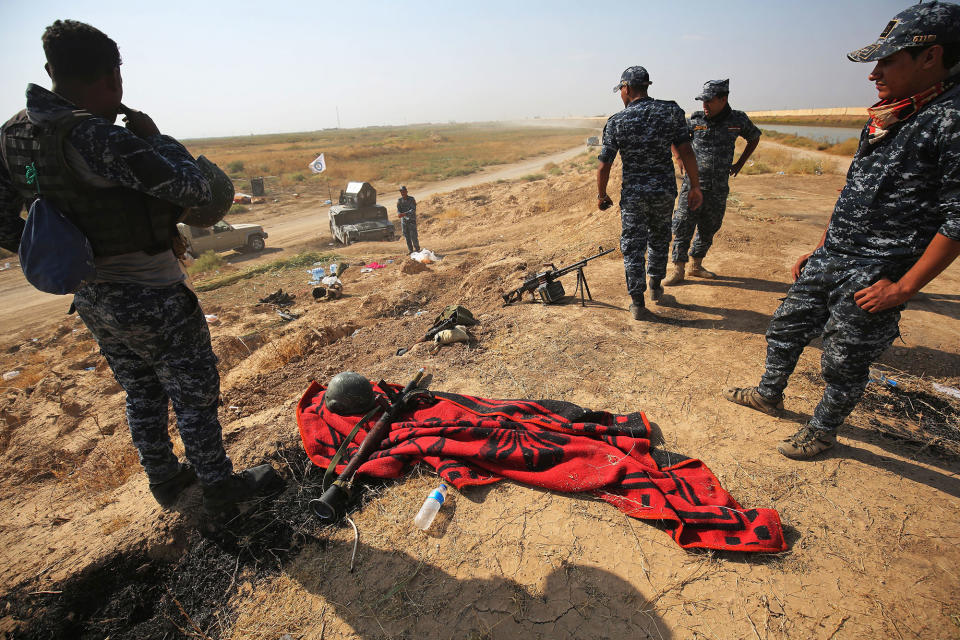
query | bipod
[582, 287]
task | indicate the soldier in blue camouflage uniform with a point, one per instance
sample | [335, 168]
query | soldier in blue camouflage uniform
[407, 211]
[643, 134]
[895, 227]
[714, 132]
[148, 324]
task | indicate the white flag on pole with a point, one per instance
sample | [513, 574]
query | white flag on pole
[319, 165]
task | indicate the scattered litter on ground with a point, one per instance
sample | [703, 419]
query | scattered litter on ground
[6, 265]
[947, 391]
[316, 275]
[915, 410]
[375, 265]
[278, 298]
[332, 289]
[211, 318]
[242, 198]
[10, 375]
[286, 315]
[425, 256]
[878, 376]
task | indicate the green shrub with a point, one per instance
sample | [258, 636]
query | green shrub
[298, 177]
[530, 177]
[805, 166]
[209, 261]
[235, 167]
[238, 208]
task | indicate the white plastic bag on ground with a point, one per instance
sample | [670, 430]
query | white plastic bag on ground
[449, 336]
[330, 281]
[425, 256]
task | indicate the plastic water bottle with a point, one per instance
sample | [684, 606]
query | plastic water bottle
[430, 507]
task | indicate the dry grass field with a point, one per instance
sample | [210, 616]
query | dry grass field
[411, 155]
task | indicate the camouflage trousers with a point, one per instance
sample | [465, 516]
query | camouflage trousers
[645, 230]
[706, 221]
[157, 343]
[408, 226]
[819, 303]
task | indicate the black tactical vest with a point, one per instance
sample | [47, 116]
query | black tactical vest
[116, 220]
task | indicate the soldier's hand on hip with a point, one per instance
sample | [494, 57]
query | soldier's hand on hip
[139, 123]
[881, 295]
[694, 198]
[799, 265]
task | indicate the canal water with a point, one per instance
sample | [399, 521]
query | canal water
[832, 135]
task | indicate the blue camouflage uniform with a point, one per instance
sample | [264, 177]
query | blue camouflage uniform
[901, 191]
[643, 133]
[713, 141]
[407, 208]
[148, 324]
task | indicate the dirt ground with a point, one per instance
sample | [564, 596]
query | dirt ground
[872, 527]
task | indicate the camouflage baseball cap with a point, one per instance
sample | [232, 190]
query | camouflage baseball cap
[713, 88]
[633, 76]
[921, 25]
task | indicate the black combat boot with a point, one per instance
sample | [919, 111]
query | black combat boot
[220, 499]
[638, 310]
[167, 492]
[656, 291]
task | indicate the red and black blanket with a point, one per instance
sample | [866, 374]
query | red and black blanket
[555, 445]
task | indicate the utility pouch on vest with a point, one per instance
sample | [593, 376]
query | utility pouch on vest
[54, 255]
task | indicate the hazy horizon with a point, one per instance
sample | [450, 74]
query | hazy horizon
[216, 69]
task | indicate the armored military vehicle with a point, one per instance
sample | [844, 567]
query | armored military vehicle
[357, 216]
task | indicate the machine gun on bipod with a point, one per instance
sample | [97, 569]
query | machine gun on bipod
[547, 286]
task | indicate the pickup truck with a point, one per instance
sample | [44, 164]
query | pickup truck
[222, 237]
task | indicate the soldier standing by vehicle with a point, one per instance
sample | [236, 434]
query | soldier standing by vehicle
[125, 188]
[714, 132]
[643, 133]
[895, 227]
[407, 211]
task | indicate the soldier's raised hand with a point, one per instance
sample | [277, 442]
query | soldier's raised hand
[138, 123]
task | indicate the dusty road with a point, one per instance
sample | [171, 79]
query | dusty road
[22, 308]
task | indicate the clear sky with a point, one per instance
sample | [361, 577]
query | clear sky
[212, 68]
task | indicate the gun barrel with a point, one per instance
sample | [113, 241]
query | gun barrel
[578, 265]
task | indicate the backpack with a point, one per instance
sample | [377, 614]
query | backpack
[54, 255]
[455, 314]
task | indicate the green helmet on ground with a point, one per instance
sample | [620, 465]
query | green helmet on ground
[349, 394]
[221, 188]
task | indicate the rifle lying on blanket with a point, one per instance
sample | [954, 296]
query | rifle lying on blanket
[546, 284]
[331, 505]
